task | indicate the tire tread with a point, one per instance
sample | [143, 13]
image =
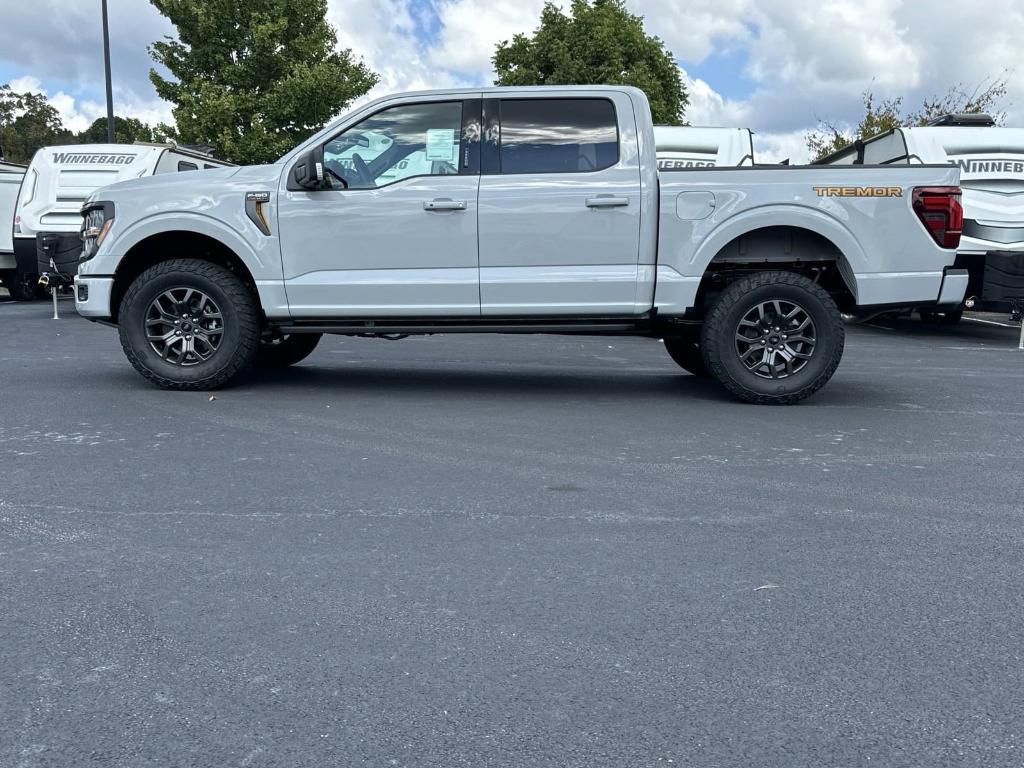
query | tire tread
[714, 326]
[244, 305]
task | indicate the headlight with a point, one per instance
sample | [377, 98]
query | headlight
[96, 220]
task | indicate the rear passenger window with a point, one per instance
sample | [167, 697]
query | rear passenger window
[558, 135]
[184, 166]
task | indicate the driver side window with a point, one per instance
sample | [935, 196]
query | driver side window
[397, 143]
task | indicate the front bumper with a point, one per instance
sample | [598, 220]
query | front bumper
[92, 296]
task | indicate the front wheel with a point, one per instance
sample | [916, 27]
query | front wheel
[773, 338]
[189, 325]
[280, 351]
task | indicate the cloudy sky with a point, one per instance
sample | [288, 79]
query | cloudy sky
[771, 65]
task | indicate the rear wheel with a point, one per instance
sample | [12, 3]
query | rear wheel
[687, 353]
[773, 338]
[189, 325]
[283, 350]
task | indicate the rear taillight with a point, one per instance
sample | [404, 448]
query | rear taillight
[940, 211]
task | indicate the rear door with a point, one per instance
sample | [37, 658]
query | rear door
[559, 206]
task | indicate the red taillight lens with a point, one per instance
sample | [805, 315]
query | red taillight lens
[940, 211]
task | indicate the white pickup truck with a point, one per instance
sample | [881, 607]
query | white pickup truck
[528, 210]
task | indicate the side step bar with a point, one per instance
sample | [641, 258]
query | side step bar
[595, 326]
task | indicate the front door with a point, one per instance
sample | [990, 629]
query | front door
[559, 207]
[401, 239]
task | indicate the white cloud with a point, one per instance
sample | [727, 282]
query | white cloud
[800, 59]
[472, 29]
[708, 107]
[77, 115]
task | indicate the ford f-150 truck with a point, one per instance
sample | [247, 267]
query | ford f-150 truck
[526, 210]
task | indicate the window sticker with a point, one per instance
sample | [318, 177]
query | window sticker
[441, 144]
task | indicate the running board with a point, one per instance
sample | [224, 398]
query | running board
[595, 326]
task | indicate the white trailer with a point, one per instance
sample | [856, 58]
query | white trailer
[680, 147]
[991, 163]
[10, 181]
[58, 181]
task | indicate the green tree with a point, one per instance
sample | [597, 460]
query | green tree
[28, 122]
[127, 130]
[252, 78]
[884, 115]
[600, 42]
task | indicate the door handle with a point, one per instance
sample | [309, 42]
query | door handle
[606, 201]
[444, 204]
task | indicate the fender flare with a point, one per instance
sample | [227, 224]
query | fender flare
[783, 215]
[196, 223]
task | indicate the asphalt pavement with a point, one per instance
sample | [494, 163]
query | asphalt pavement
[511, 551]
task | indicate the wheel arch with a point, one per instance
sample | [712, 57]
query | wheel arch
[786, 247]
[175, 244]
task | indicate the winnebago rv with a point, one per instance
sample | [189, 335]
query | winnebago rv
[679, 147]
[991, 163]
[10, 180]
[58, 181]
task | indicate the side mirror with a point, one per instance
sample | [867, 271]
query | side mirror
[308, 172]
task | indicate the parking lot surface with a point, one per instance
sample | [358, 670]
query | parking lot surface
[510, 551]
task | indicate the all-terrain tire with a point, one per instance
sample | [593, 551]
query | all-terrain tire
[735, 305]
[687, 353]
[240, 321]
[289, 349]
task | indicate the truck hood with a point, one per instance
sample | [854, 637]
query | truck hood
[194, 184]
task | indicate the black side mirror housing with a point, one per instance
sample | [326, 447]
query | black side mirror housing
[308, 172]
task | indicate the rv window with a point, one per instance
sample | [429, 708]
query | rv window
[184, 166]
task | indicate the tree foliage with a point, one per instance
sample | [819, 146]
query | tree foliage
[599, 42]
[884, 115]
[27, 122]
[127, 130]
[252, 78]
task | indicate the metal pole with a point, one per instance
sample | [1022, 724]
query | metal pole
[106, 67]
[53, 293]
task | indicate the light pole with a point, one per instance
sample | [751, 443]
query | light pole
[106, 68]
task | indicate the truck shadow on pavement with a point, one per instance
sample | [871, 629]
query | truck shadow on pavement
[988, 329]
[468, 384]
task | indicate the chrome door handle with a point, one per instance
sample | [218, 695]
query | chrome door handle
[444, 204]
[606, 201]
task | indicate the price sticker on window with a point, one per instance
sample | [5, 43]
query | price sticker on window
[441, 144]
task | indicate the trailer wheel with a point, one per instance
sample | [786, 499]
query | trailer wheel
[189, 325]
[283, 350]
[23, 286]
[686, 352]
[773, 338]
